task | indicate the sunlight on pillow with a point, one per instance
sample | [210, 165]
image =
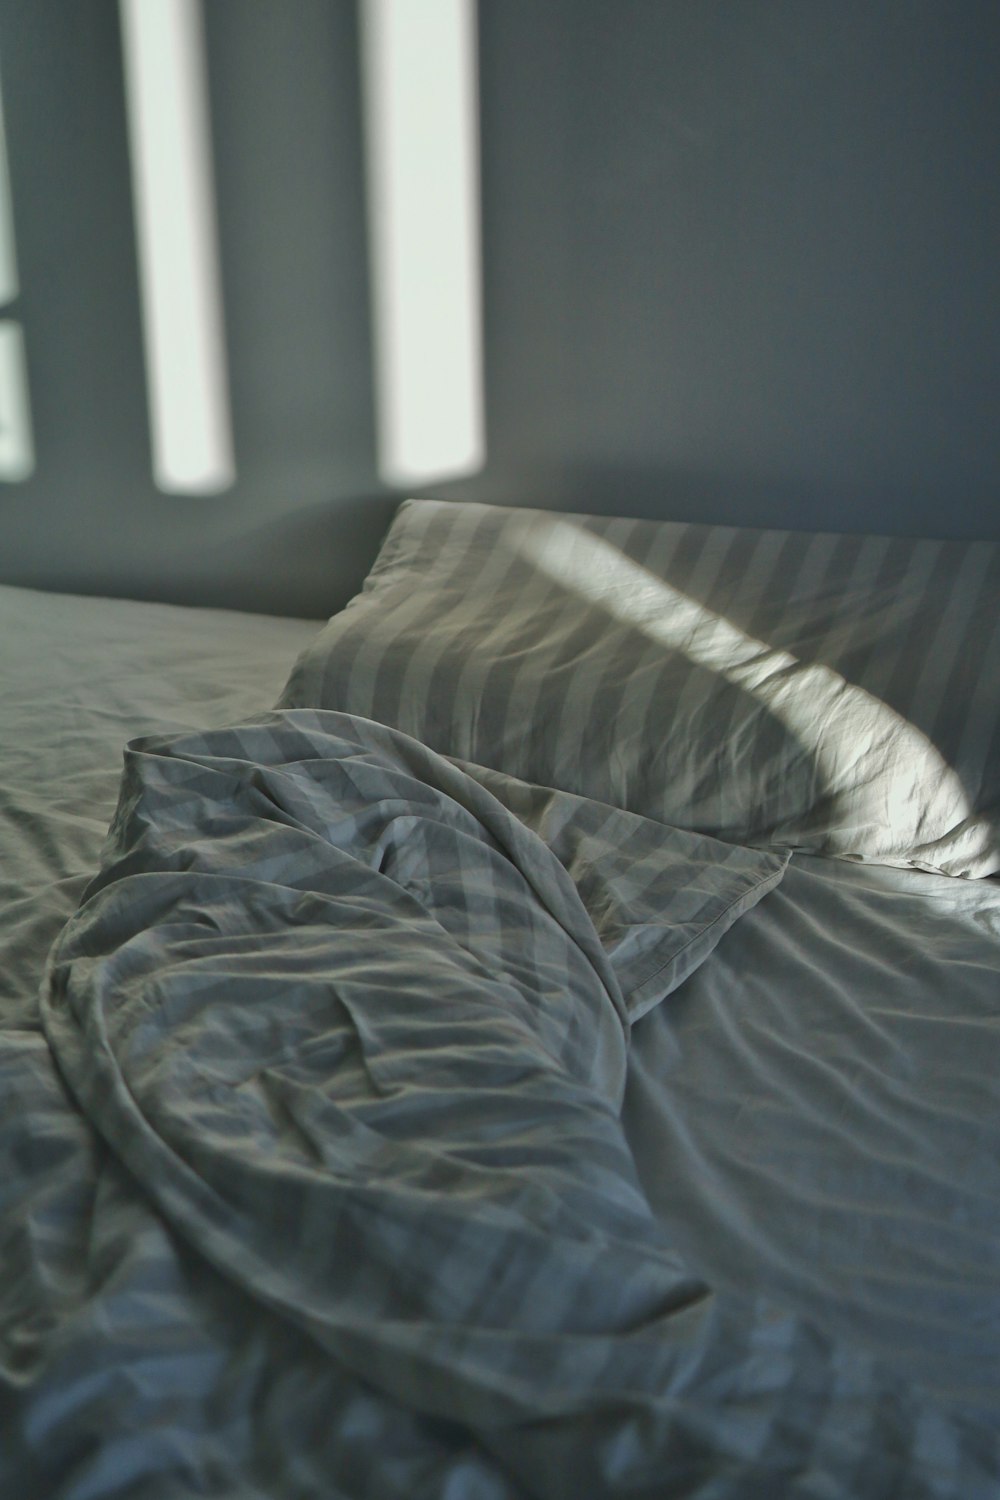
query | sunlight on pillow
[858, 742]
[833, 694]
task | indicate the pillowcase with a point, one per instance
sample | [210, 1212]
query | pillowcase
[836, 694]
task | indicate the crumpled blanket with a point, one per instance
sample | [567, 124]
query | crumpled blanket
[342, 1203]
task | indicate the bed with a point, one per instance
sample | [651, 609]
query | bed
[534, 1035]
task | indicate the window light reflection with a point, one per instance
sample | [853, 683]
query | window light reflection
[8, 256]
[17, 454]
[421, 133]
[163, 54]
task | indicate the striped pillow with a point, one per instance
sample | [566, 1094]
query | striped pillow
[829, 693]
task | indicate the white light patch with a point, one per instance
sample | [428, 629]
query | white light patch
[8, 256]
[422, 137]
[165, 87]
[17, 453]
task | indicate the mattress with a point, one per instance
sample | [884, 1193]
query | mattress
[381, 1119]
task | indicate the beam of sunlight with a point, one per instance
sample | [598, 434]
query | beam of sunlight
[9, 287]
[419, 82]
[166, 97]
[842, 726]
[17, 449]
[17, 454]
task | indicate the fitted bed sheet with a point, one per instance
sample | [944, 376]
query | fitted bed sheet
[814, 1115]
[79, 677]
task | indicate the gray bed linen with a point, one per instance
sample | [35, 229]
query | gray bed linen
[815, 1116]
[79, 677]
[350, 1180]
[831, 694]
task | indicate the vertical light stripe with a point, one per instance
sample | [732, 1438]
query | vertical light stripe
[166, 95]
[421, 125]
[8, 256]
[17, 450]
[17, 454]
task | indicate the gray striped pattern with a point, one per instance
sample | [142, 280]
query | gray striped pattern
[346, 1027]
[832, 694]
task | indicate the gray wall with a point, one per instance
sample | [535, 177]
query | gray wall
[739, 262]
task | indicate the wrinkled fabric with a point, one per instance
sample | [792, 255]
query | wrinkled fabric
[340, 1053]
[831, 694]
[819, 1107]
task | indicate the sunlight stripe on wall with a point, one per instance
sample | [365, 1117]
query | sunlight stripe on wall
[17, 454]
[17, 451]
[419, 81]
[9, 287]
[169, 141]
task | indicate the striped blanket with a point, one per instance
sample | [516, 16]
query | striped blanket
[322, 1188]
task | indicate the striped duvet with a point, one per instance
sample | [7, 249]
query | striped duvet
[330, 1193]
